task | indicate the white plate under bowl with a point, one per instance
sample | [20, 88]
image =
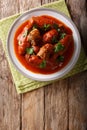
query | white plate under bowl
[38, 12]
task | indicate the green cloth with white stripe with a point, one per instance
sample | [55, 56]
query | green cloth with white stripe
[22, 83]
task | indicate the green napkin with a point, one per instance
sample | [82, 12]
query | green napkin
[22, 83]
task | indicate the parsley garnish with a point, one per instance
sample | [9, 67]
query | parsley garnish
[58, 47]
[35, 26]
[43, 64]
[55, 26]
[60, 58]
[46, 27]
[62, 35]
[29, 50]
[54, 39]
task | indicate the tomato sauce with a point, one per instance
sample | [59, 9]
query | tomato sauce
[48, 70]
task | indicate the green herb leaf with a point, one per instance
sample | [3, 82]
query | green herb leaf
[62, 35]
[43, 64]
[58, 47]
[54, 39]
[25, 33]
[55, 26]
[35, 26]
[46, 27]
[60, 58]
[29, 50]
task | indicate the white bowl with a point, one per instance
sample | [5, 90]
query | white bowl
[63, 18]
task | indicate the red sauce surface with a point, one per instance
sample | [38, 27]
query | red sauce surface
[67, 55]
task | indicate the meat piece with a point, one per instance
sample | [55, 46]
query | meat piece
[22, 44]
[21, 50]
[26, 28]
[38, 20]
[34, 37]
[22, 47]
[48, 36]
[22, 36]
[27, 56]
[36, 49]
[22, 41]
[31, 22]
[33, 60]
[65, 42]
[45, 51]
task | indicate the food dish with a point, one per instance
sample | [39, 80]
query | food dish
[43, 47]
[43, 44]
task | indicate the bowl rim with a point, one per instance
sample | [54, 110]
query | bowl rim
[68, 67]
